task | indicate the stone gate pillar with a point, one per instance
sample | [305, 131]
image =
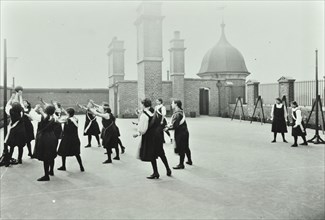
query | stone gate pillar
[287, 88]
[252, 91]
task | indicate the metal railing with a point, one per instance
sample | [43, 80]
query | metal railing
[305, 92]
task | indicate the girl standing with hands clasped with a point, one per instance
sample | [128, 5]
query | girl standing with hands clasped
[109, 133]
[178, 123]
[70, 143]
[298, 126]
[279, 117]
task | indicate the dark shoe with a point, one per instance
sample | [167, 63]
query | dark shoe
[20, 161]
[285, 141]
[305, 143]
[62, 168]
[169, 172]
[51, 173]
[44, 178]
[13, 161]
[153, 176]
[88, 145]
[189, 162]
[82, 169]
[116, 158]
[99, 145]
[179, 167]
[107, 161]
[294, 145]
[105, 153]
[123, 149]
[273, 141]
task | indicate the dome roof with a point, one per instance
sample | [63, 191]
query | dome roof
[223, 58]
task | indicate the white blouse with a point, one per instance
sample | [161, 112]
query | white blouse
[144, 121]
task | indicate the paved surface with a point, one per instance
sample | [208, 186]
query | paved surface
[237, 174]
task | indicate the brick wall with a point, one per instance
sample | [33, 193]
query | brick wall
[67, 97]
[192, 95]
[127, 98]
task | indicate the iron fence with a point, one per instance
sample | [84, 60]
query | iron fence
[305, 92]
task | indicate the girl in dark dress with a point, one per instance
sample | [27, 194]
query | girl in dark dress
[16, 135]
[109, 133]
[28, 127]
[150, 130]
[298, 126]
[91, 125]
[46, 141]
[70, 143]
[178, 123]
[279, 117]
[119, 142]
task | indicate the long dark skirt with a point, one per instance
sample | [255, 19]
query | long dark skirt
[279, 125]
[110, 137]
[45, 146]
[181, 139]
[298, 132]
[17, 135]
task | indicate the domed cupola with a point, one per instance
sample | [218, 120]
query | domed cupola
[223, 61]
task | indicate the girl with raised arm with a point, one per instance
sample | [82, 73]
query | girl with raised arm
[70, 143]
[46, 141]
[91, 126]
[16, 135]
[109, 133]
[178, 123]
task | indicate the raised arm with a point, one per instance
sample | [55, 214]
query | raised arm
[103, 115]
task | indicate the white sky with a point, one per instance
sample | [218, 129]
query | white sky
[62, 44]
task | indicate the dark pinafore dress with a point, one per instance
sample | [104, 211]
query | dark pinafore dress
[181, 133]
[109, 133]
[279, 123]
[28, 127]
[46, 142]
[70, 143]
[147, 148]
[91, 125]
[16, 135]
[297, 130]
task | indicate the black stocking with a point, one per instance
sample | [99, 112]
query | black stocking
[154, 166]
[46, 165]
[79, 161]
[304, 138]
[181, 158]
[97, 138]
[20, 153]
[164, 160]
[274, 134]
[89, 139]
[295, 139]
[63, 161]
[29, 147]
[188, 155]
[283, 138]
